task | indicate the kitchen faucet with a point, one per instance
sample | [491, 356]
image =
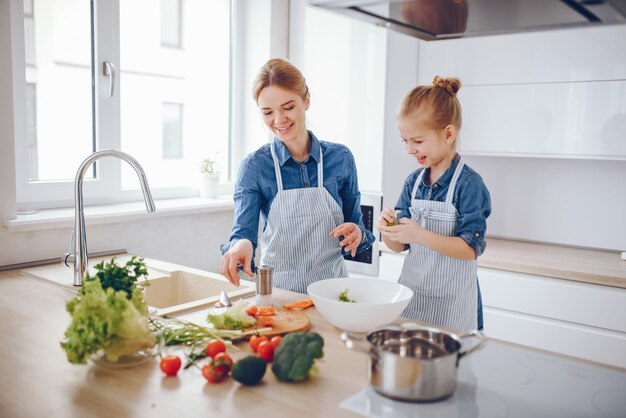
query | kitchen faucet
[79, 234]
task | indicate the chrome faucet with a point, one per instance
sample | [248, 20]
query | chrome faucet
[79, 234]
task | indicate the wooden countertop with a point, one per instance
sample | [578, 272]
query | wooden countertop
[581, 265]
[577, 264]
[37, 380]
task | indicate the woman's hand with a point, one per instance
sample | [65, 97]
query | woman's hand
[352, 236]
[239, 253]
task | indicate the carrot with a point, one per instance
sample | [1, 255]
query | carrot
[266, 311]
[301, 304]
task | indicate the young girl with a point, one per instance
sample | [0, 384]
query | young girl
[305, 189]
[441, 214]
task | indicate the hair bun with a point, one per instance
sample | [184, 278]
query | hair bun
[450, 85]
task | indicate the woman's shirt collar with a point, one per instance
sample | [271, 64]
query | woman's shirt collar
[283, 154]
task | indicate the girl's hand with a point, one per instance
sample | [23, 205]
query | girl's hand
[352, 236]
[239, 253]
[387, 217]
[406, 232]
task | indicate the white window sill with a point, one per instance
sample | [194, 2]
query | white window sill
[123, 212]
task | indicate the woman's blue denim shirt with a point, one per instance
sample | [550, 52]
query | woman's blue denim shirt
[471, 200]
[256, 186]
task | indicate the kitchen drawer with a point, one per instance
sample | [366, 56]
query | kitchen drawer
[573, 302]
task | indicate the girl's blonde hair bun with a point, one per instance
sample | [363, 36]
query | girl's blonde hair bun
[450, 85]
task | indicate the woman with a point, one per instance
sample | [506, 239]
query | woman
[305, 189]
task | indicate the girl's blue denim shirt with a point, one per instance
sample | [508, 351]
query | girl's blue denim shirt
[471, 199]
[256, 186]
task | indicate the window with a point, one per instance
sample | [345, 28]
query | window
[172, 133]
[347, 96]
[171, 24]
[166, 105]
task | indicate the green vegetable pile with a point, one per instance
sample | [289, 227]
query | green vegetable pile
[294, 358]
[112, 317]
[343, 297]
[235, 317]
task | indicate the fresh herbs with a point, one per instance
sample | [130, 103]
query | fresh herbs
[118, 277]
[343, 297]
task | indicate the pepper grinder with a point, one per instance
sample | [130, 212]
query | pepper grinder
[264, 286]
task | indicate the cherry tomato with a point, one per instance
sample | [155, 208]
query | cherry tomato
[215, 373]
[252, 310]
[170, 364]
[255, 340]
[276, 340]
[266, 321]
[214, 347]
[223, 359]
[265, 350]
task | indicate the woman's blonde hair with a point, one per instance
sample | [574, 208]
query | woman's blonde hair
[279, 72]
[439, 99]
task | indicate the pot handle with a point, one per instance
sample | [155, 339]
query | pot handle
[355, 342]
[473, 334]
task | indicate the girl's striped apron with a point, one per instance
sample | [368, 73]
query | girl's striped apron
[445, 288]
[296, 241]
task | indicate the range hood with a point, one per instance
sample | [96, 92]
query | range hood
[445, 19]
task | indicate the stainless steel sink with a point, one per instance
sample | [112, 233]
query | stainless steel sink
[173, 288]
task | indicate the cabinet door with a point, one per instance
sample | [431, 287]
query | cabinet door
[576, 319]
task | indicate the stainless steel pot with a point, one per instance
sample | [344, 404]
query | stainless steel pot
[411, 362]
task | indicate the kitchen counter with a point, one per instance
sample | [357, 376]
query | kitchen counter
[577, 264]
[37, 380]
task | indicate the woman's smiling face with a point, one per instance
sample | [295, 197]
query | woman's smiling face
[283, 113]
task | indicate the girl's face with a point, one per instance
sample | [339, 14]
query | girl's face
[283, 113]
[430, 147]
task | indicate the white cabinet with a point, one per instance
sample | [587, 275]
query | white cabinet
[556, 94]
[577, 319]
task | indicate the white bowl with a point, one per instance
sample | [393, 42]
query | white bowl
[378, 302]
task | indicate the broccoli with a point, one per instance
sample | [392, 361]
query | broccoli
[294, 358]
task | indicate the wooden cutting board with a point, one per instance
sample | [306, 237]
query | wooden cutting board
[287, 320]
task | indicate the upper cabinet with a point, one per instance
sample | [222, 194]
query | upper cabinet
[545, 94]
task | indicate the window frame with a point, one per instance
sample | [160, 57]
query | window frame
[106, 186]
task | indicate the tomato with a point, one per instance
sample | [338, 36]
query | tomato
[214, 347]
[265, 350]
[215, 373]
[170, 364]
[223, 359]
[255, 340]
[266, 311]
[266, 321]
[252, 310]
[276, 340]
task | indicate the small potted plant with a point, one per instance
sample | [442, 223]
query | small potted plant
[209, 178]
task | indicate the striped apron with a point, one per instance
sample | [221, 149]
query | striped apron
[445, 288]
[296, 241]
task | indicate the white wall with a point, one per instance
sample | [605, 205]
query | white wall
[574, 198]
[190, 240]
